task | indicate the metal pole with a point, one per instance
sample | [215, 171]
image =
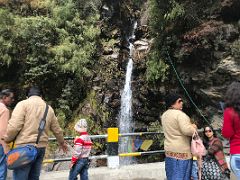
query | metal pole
[105, 135]
[69, 159]
[121, 135]
[139, 134]
[91, 136]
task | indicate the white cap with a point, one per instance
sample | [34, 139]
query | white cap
[82, 123]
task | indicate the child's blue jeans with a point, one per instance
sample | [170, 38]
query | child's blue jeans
[81, 167]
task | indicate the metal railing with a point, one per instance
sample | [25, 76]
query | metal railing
[127, 154]
[131, 154]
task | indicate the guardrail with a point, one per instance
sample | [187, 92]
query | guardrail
[112, 147]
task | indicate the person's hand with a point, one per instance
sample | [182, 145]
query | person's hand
[194, 126]
[64, 147]
[71, 165]
[4, 145]
[6, 148]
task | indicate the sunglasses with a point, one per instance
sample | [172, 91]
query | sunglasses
[208, 131]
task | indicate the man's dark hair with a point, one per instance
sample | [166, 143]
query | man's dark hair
[34, 91]
[5, 92]
[171, 98]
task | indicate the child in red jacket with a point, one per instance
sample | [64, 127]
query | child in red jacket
[81, 151]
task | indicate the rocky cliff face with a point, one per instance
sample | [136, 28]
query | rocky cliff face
[206, 56]
[209, 56]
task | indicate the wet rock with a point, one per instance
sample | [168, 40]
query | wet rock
[115, 103]
[229, 66]
[107, 50]
[96, 88]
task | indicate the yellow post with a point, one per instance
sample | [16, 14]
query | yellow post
[112, 134]
[112, 148]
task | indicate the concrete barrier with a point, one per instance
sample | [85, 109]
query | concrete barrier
[148, 171]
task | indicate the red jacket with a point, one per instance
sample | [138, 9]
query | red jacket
[82, 147]
[231, 129]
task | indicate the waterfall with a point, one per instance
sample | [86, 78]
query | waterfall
[125, 119]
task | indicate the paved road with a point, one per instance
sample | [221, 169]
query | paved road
[149, 171]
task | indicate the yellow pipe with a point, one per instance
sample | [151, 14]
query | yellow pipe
[48, 161]
[130, 154]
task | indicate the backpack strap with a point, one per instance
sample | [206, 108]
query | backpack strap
[42, 124]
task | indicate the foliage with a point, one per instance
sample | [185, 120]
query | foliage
[138, 3]
[52, 44]
[164, 15]
[157, 11]
[69, 100]
[176, 12]
[156, 69]
[6, 23]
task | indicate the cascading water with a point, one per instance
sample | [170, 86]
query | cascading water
[125, 119]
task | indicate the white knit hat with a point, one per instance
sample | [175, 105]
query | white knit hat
[80, 125]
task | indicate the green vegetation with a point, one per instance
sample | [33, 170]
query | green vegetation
[157, 68]
[164, 15]
[52, 44]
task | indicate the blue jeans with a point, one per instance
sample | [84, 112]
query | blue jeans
[194, 173]
[81, 167]
[177, 169]
[235, 164]
[31, 171]
[3, 164]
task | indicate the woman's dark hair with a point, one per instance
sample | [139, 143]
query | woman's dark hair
[205, 138]
[232, 97]
[5, 92]
[171, 98]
